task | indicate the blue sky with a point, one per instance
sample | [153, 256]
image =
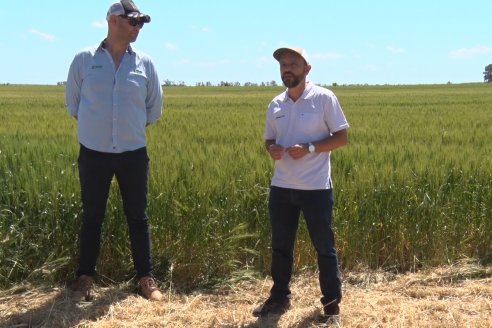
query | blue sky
[348, 41]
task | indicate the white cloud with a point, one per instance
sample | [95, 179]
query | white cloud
[327, 56]
[200, 29]
[99, 24]
[171, 46]
[395, 50]
[42, 35]
[466, 53]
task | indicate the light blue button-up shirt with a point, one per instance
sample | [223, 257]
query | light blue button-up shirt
[113, 106]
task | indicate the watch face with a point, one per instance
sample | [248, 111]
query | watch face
[311, 148]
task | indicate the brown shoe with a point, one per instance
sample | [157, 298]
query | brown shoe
[82, 288]
[148, 289]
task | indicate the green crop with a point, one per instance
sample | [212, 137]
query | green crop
[412, 187]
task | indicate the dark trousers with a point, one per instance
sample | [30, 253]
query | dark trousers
[96, 171]
[285, 206]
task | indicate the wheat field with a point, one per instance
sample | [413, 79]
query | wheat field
[413, 188]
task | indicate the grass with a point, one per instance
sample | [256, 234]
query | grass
[413, 187]
[457, 295]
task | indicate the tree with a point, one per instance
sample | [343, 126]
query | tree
[487, 75]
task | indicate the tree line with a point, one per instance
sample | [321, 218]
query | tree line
[487, 75]
[169, 83]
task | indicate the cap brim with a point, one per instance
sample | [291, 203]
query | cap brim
[277, 54]
[143, 17]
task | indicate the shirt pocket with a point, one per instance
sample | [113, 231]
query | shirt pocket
[135, 89]
[136, 79]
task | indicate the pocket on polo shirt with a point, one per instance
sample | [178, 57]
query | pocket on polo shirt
[137, 78]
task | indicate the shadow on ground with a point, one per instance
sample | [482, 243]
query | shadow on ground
[58, 308]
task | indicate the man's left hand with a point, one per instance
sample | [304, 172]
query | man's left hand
[298, 151]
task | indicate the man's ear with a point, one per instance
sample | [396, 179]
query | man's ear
[112, 19]
[308, 69]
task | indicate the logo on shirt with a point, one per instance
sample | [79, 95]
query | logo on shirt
[96, 66]
[281, 116]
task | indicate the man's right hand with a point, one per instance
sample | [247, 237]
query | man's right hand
[276, 151]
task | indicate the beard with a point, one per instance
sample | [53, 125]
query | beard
[290, 80]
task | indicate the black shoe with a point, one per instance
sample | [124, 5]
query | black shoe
[331, 308]
[272, 307]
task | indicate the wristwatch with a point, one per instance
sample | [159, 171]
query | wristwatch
[311, 147]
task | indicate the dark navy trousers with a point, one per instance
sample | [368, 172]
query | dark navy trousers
[285, 206]
[96, 171]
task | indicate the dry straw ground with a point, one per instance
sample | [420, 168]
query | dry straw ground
[459, 295]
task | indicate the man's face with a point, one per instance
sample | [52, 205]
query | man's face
[126, 30]
[293, 69]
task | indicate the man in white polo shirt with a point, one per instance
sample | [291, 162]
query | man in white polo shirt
[303, 125]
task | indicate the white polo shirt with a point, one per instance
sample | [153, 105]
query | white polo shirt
[314, 116]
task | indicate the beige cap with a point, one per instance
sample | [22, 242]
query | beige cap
[299, 51]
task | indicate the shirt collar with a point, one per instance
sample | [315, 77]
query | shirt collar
[306, 94]
[102, 45]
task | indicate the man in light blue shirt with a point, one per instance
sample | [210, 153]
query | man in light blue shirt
[114, 93]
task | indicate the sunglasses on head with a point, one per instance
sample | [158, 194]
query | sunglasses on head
[134, 21]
